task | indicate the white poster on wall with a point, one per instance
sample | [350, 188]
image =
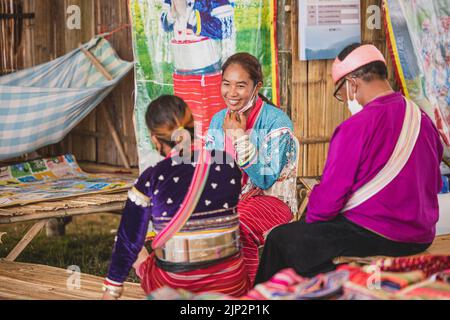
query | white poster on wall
[327, 26]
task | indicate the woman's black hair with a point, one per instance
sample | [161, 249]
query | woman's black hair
[167, 114]
[250, 64]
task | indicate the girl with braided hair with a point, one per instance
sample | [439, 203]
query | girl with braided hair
[191, 198]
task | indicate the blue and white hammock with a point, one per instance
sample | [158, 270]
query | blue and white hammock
[41, 105]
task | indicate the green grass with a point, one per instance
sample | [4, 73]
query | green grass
[87, 244]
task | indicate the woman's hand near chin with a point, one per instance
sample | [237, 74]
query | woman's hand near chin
[234, 125]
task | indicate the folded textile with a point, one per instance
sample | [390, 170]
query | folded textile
[380, 281]
[428, 264]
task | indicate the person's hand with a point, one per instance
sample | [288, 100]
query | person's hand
[179, 6]
[107, 296]
[234, 125]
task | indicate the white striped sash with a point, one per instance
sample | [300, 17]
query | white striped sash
[397, 161]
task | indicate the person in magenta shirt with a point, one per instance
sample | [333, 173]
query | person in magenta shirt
[399, 216]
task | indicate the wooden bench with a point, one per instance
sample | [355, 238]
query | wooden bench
[22, 281]
[42, 213]
[440, 246]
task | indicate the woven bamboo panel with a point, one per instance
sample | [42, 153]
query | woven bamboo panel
[306, 86]
[44, 39]
[20, 281]
[314, 112]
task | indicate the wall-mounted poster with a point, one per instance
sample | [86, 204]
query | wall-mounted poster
[327, 26]
[180, 46]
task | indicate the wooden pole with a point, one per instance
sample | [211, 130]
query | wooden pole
[116, 138]
[105, 112]
[23, 243]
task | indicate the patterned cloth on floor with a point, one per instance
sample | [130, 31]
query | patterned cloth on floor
[410, 278]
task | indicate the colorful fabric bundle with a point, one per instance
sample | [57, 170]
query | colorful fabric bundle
[348, 282]
[428, 264]
[287, 285]
[280, 287]
[419, 277]
[427, 290]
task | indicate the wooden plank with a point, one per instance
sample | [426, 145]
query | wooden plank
[24, 281]
[23, 243]
[99, 168]
[315, 113]
[85, 148]
[109, 16]
[440, 246]
[116, 138]
[112, 130]
[113, 207]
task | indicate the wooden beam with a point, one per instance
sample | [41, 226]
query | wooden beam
[116, 138]
[64, 213]
[105, 168]
[105, 112]
[23, 243]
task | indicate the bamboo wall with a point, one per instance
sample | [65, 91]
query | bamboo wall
[306, 87]
[314, 111]
[14, 36]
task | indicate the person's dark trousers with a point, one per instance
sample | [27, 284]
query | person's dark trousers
[310, 248]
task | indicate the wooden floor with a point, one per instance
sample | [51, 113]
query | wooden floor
[21, 281]
[441, 245]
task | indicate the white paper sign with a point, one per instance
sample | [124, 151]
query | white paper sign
[327, 26]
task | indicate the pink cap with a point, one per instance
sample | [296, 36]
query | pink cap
[357, 58]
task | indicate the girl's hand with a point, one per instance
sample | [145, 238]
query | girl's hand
[107, 296]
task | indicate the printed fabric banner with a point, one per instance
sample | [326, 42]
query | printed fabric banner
[179, 47]
[53, 179]
[418, 34]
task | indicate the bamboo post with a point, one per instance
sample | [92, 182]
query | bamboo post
[105, 112]
[23, 243]
[284, 53]
[116, 138]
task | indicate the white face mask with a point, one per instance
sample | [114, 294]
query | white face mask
[250, 103]
[353, 105]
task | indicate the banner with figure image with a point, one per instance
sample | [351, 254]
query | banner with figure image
[180, 45]
[418, 35]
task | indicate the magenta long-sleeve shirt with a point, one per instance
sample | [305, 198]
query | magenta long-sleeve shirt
[406, 210]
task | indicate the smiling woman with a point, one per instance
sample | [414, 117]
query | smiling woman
[260, 135]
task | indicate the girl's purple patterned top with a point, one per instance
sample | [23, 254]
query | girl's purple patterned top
[165, 187]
